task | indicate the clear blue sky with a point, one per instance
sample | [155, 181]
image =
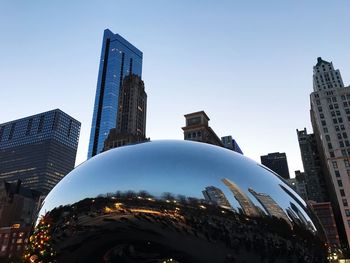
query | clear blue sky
[248, 64]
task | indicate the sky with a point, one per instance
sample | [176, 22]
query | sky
[247, 64]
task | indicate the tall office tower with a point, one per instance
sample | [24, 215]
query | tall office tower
[131, 126]
[119, 58]
[313, 172]
[216, 196]
[38, 150]
[330, 117]
[277, 162]
[231, 144]
[197, 129]
[248, 207]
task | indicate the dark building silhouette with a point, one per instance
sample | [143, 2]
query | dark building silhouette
[277, 162]
[324, 213]
[18, 205]
[197, 129]
[131, 126]
[313, 173]
[118, 59]
[38, 150]
[231, 144]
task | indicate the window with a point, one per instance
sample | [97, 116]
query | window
[347, 143]
[340, 183]
[340, 120]
[337, 174]
[337, 128]
[330, 147]
[342, 192]
[323, 123]
[334, 99]
[329, 100]
[343, 97]
[341, 144]
[325, 130]
[331, 153]
[335, 121]
[318, 102]
[320, 109]
[338, 113]
[343, 152]
[345, 135]
[321, 116]
[342, 127]
[336, 106]
[347, 163]
[339, 136]
[335, 164]
[328, 138]
[333, 113]
[331, 107]
[345, 202]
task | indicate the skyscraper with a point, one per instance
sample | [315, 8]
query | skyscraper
[313, 173]
[330, 117]
[277, 162]
[119, 58]
[38, 150]
[131, 126]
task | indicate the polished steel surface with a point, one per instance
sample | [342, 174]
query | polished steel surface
[176, 201]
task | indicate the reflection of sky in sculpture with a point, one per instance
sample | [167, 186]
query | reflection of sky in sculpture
[178, 167]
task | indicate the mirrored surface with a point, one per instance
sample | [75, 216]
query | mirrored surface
[174, 201]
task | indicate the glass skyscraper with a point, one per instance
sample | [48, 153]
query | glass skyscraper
[39, 150]
[119, 58]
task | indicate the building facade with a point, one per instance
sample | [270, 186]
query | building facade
[324, 213]
[38, 150]
[277, 162]
[131, 126]
[197, 129]
[313, 173]
[18, 205]
[119, 58]
[231, 144]
[330, 117]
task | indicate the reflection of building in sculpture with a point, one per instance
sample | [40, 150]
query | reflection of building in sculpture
[246, 204]
[270, 205]
[324, 212]
[216, 196]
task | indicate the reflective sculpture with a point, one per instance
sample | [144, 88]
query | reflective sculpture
[174, 201]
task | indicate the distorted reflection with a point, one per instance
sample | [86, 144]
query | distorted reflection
[227, 216]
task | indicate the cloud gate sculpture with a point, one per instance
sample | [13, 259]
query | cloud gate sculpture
[174, 201]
